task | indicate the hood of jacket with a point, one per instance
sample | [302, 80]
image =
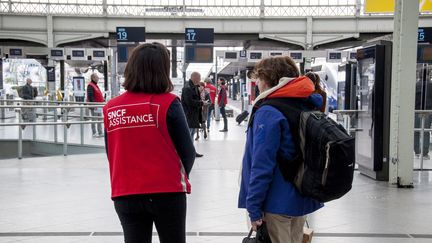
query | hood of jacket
[301, 87]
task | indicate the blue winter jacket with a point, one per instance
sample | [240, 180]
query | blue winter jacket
[263, 188]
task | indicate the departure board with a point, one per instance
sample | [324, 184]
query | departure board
[199, 35]
[130, 34]
[199, 54]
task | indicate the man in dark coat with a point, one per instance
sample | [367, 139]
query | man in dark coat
[28, 92]
[192, 104]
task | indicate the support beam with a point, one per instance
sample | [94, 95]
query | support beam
[50, 35]
[403, 93]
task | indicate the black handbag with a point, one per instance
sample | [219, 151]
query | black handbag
[262, 235]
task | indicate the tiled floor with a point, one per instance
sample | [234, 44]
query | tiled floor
[66, 199]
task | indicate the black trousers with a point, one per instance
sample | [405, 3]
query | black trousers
[223, 113]
[167, 211]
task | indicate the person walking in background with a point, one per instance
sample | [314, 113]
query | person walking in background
[264, 192]
[205, 97]
[318, 89]
[222, 101]
[150, 151]
[211, 89]
[94, 94]
[28, 92]
[192, 104]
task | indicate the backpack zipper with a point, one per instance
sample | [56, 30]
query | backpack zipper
[325, 172]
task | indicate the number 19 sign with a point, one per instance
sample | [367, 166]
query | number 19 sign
[130, 34]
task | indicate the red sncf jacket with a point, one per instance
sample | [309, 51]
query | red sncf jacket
[142, 157]
[98, 96]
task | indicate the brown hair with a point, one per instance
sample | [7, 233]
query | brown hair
[272, 69]
[315, 79]
[148, 69]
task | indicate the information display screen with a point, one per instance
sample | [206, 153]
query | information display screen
[199, 35]
[199, 54]
[98, 53]
[50, 74]
[353, 55]
[424, 35]
[130, 34]
[231, 55]
[296, 55]
[424, 54]
[15, 52]
[57, 53]
[274, 54]
[255, 55]
[77, 53]
[124, 52]
[335, 56]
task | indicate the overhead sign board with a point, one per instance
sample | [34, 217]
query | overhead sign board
[15, 52]
[199, 54]
[388, 6]
[352, 56]
[199, 35]
[124, 52]
[276, 53]
[57, 54]
[77, 54]
[231, 56]
[424, 35]
[297, 56]
[97, 54]
[255, 56]
[334, 56]
[130, 34]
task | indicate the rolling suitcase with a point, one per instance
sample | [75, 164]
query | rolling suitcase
[242, 116]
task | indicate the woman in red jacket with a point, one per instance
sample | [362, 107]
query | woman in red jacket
[149, 149]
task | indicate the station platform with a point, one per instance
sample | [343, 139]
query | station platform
[67, 199]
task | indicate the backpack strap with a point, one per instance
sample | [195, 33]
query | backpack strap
[291, 108]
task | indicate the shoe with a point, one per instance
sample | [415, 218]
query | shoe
[205, 135]
[196, 139]
[198, 155]
[223, 130]
[426, 157]
[95, 135]
[417, 156]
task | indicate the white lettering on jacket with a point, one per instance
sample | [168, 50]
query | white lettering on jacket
[132, 116]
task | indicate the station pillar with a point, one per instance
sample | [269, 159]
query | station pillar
[404, 61]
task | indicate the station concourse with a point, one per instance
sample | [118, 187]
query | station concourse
[374, 60]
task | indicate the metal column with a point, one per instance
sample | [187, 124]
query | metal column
[403, 93]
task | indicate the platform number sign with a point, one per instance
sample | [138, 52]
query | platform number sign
[130, 34]
[424, 35]
[199, 35]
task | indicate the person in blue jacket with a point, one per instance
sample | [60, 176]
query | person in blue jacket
[263, 191]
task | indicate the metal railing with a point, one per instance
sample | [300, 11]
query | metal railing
[348, 115]
[65, 107]
[181, 9]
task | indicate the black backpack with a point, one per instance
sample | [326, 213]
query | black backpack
[323, 168]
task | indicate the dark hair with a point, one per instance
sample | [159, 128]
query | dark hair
[315, 79]
[272, 69]
[148, 69]
[222, 81]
